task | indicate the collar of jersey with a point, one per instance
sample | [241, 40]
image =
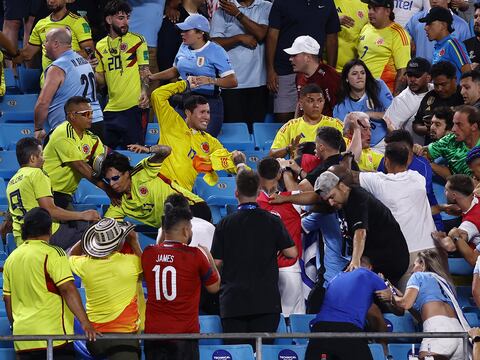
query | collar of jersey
[202, 48]
[443, 41]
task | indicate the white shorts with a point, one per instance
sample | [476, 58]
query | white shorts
[449, 347]
[285, 100]
[291, 290]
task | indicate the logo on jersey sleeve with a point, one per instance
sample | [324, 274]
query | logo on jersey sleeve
[205, 147]
[380, 41]
[360, 14]
[86, 148]
[441, 52]
[123, 47]
[200, 61]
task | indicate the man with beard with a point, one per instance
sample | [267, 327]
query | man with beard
[445, 93]
[473, 44]
[403, 108]
[123, 64]
[60, 17]
[470, 88]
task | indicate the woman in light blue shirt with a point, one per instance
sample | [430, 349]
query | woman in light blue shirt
[205, 64]
[360, 91]
[425, 294]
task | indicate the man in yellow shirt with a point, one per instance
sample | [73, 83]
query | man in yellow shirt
[72, 152]
[30, 187]
[384, 45]
[123, 68]
[353, 15]
[366, 158]
[143, 189]
[303, 129]
[39, 293]
[60, 17]
[187, 138]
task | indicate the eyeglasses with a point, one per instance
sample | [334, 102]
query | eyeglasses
[85, 113]
[113, 178]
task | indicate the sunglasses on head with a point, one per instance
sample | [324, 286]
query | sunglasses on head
[113, 178]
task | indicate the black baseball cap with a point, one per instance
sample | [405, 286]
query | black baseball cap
[418, 66]
[438, 14]
[383, 3]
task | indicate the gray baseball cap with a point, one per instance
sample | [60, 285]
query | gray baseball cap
[325, 183]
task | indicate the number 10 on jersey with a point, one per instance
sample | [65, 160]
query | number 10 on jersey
[168, 280]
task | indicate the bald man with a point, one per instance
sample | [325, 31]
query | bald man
[68, 75]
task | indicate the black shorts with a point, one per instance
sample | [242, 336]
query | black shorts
[245, 105]
[65, 352]
[20, 9]
[171, 350]
[122, 128]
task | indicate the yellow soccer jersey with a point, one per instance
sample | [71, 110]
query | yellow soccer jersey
[348, 37]
[185, 142]
[31, 276]
[119, 59]
[23, 191]
[308, 132]
[149, 189]
[3, 85]
[65, 146]
[369, 160]
[77, 25]
[385, 51]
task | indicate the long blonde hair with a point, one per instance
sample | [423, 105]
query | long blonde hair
[433, 263]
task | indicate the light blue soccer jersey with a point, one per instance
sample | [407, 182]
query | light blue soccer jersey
[79, 81]
[452, 50]
[428, 289]
[210, 60]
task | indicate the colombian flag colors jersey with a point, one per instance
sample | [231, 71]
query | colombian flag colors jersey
[78, 26]
[119, 59]
[186, 143]
[348, 37]
[385, 51]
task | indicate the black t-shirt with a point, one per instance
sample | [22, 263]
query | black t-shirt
[385, 244]
[294, 18]
[473, 48]
[430, 102]
[247, 242]
[332, 160]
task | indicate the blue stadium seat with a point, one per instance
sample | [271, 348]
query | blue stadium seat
[8, 164]
[235, 136]
[459, 266]
[87, 193]
[7, 354]
[134, 158]
[3, 193]
[145, 240]
[83, 295]
[300, 323]
[275, 352]
[18, 108]
[397, 324]
[377, 351]
[254, 156]
[11, 82]
[29, 80]
[11, 133]
[472, 319]
[264, 133]
[464, 296]
[230, 352]
[282, 329]
[401, 351]
[210, 324]
[11, 244]
[217, 196]
[153, 133]
[4, 331]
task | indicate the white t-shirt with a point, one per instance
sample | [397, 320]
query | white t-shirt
[405, 9]
[403, 109]
[202, 233]
[405, 195]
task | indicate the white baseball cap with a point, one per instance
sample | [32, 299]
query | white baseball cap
[304, 44]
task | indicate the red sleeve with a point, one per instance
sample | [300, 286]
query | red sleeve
[208, 275]
[309, 162]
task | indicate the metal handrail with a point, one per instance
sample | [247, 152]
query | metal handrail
[257, 336]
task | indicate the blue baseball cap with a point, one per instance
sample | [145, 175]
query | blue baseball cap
[195, 21]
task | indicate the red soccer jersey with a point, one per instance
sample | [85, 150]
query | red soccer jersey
[290, 218]
[328, 79]
[174, 273]
[473, 217]
[309, 162]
